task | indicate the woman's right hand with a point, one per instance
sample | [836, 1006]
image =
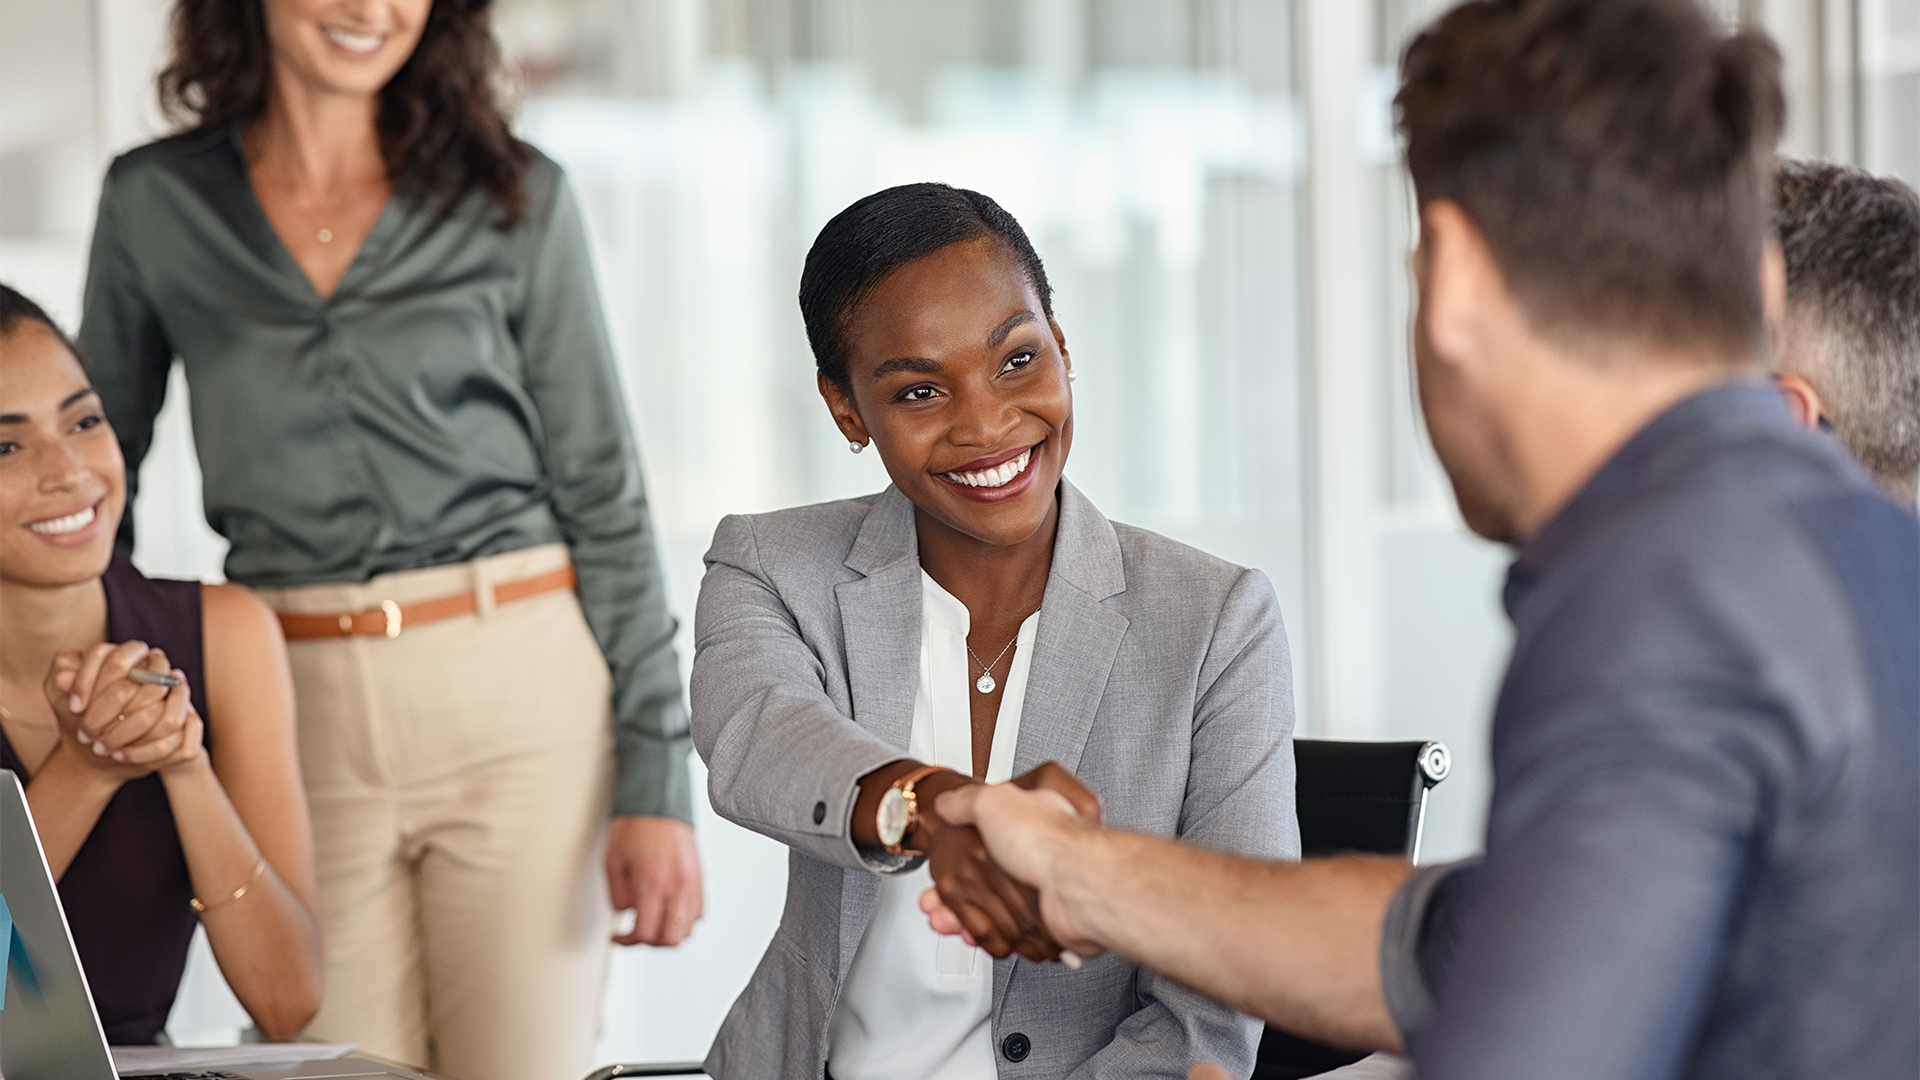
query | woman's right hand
[112, 724]
[1000, 915]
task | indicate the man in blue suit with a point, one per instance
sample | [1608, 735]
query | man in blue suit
[1703, 854]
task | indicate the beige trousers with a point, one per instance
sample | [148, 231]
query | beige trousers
[459, 776]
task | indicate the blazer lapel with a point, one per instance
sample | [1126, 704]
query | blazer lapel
[1073, 653]
[1078, 638]
[880, 626]
[880, 620]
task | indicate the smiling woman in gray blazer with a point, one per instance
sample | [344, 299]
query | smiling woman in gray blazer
[977, 620]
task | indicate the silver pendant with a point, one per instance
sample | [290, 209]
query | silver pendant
[985, 684]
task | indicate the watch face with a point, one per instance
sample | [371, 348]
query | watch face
[892, 824]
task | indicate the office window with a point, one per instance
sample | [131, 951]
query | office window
[1152, 148]
[1889, 87]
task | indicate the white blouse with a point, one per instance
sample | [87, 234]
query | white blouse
[916, 1003]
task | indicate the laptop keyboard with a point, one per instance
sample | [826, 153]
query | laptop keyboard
[214, 1075]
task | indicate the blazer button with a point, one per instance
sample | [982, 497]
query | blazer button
[819, 812]
[1016, 1047]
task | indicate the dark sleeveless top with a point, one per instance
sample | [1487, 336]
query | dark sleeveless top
[126, 891]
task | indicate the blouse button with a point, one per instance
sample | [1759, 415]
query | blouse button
[819, 812]
[1016, 1047]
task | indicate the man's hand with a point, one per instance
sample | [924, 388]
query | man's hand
[1025, 825]
[1052, 776]
[1000, 915]
[1296, 944]
[1203, 1071]
[997, 913]
[653, 869]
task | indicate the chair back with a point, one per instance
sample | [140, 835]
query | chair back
[1367, 797]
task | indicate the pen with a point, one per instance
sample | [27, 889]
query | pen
[153, 678]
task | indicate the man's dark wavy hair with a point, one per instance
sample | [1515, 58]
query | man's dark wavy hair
[443, 117]
[1615, 153]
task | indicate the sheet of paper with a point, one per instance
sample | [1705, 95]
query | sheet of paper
[138, 1059]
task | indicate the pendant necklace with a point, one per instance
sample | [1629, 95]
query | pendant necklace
[326, 236]
[985, 683]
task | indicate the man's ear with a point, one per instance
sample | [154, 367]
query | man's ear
[845, 415]
[1462, 289]
[1803, 401]
[1773, 284]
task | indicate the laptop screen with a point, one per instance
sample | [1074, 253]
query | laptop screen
[48, 1029]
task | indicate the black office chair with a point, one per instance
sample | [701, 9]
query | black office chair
[1352, 796]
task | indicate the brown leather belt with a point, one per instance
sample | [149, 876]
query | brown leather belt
[390, 618]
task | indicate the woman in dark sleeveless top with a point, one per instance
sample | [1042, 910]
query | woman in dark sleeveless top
[126, 892]
[145, 829]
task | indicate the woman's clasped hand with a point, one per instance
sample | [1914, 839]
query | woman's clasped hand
[998, 913]
[121, 726]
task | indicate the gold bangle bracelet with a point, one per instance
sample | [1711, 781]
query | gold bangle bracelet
[258, 869]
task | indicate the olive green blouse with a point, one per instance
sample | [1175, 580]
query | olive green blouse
[456, 397]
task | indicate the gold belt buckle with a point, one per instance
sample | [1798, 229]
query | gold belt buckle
[392, 611]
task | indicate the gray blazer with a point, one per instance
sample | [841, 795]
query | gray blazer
[1160, 676]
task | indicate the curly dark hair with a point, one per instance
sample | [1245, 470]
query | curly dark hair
[443, 116]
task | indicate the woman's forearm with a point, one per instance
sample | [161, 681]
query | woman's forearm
[67, 797]
[267, 941]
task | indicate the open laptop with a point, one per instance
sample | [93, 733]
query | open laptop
[48, 1027]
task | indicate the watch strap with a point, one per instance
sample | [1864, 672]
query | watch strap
[905, 786]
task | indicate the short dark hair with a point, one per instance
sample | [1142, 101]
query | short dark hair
[1615, 154]
[16, 308]
[884, 232]
[1852, 245]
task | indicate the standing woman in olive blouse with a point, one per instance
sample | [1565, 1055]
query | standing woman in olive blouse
[410, 429]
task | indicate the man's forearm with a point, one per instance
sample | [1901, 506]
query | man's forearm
[1296, 944]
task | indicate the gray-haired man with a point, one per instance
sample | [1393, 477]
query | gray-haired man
[1850, 354]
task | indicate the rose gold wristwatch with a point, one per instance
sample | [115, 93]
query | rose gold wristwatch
[900, 810]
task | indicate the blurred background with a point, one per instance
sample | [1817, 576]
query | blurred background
[1214, 189]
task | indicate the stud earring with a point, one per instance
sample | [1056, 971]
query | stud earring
[1072, 375]
[855, 447]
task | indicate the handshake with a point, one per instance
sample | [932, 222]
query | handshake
[1016, 870]
[996, 856]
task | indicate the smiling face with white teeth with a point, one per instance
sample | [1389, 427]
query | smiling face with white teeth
[343, 47]
[62, 480]
[959, 379]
